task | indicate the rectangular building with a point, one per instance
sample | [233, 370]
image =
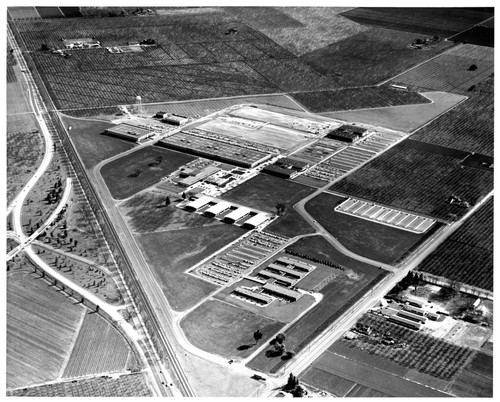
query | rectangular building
[268, 274]
[253, 296]
[255, 221]
[282, 291]
[198, 203]
[237, 214]
[216, 209]
[130, 132]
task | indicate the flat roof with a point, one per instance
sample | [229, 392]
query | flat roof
[279, 277]
[254, 295]
[296, 263]
[129, 129]
[282, 291]
[282, 268]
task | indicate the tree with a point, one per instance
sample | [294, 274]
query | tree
[292, 382]
[280, 338]
[472, 67]
[257, 335]
[167, 201]
[298, 392]
[280, 208]
[45, 46]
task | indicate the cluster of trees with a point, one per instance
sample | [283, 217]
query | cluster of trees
[280, 208]
[294, 387]
[316, 260]
[54, 193]
[157, 161]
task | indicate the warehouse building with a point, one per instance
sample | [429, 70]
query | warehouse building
[215, 150]
[237, 214]
[256, 221]
[130, 132]
[174, 119]
[218, 208]
[198, 203]
[194, 176]
[280, 278]
[347, 133]
[282, 292]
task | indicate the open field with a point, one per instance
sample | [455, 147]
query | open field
[170, 253]
[194, 58]
[338, 296]
[481, 35]
[369, 57]
[467, 255]
[469, 126]
[25, 122]
[92, 146]
[419, 180]
[22, 12]
[41, 325]
[147, 212]
[204, 107]
[24, 154]
[138, 170]
[326, 381]
[370, 381]
[370, 239]
[290, 224]
[99, 348]
[449, 72]
[222, 328]
[427, 21]
[18, 103]
[405, 118]
[264, 191]
[130, 385]
[300, 29]
[271, 135]
[357, 98]
[49, 12]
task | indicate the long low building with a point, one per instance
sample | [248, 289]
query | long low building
[218, 208]
[268, 274]
[130, 132]
[253, 296]
[256, 221]
[198, 203]
[282, 291]
[237, 214]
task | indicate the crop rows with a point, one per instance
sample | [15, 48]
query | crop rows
[264, 17]
[126, 385]
[99, 348]
[467, 255]
[469, 126]
[417, 180]
[422, 352]
[357, 98]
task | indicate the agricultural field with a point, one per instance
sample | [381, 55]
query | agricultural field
[264, 191]
[476, 379]
[226, 329]
[427, 21]
[469, 126]
[206, 63]
[202, 108]
[17, 13]
[453, 71]
[406, 118]
[171, 253]
[24, 154]
[357, 98]
[140, 169]
[467, 255]
[410, 177]
[90, 142]
[347, 288]
[370, 57]
[49, 12]
[379, 242]
[300, 29]
[41, 325]
[129, 385]
[481, 35]
[99, 348]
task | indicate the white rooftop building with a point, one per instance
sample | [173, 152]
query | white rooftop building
[216, 209]
[198, 203]
[237, 214]
[256, 220]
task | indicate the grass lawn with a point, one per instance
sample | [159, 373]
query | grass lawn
[221, 328]
[290, 224]
[41, 324]
[147, 212]
[138, 170]
[265, 191]
[170, 253]
[93, 146]
[373, 240]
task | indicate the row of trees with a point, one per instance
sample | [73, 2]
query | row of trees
[316, 260]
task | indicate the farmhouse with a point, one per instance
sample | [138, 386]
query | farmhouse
[81, 43]
[131, 132]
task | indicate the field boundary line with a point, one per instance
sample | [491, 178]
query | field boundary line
[417, 65]
[73, 343]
